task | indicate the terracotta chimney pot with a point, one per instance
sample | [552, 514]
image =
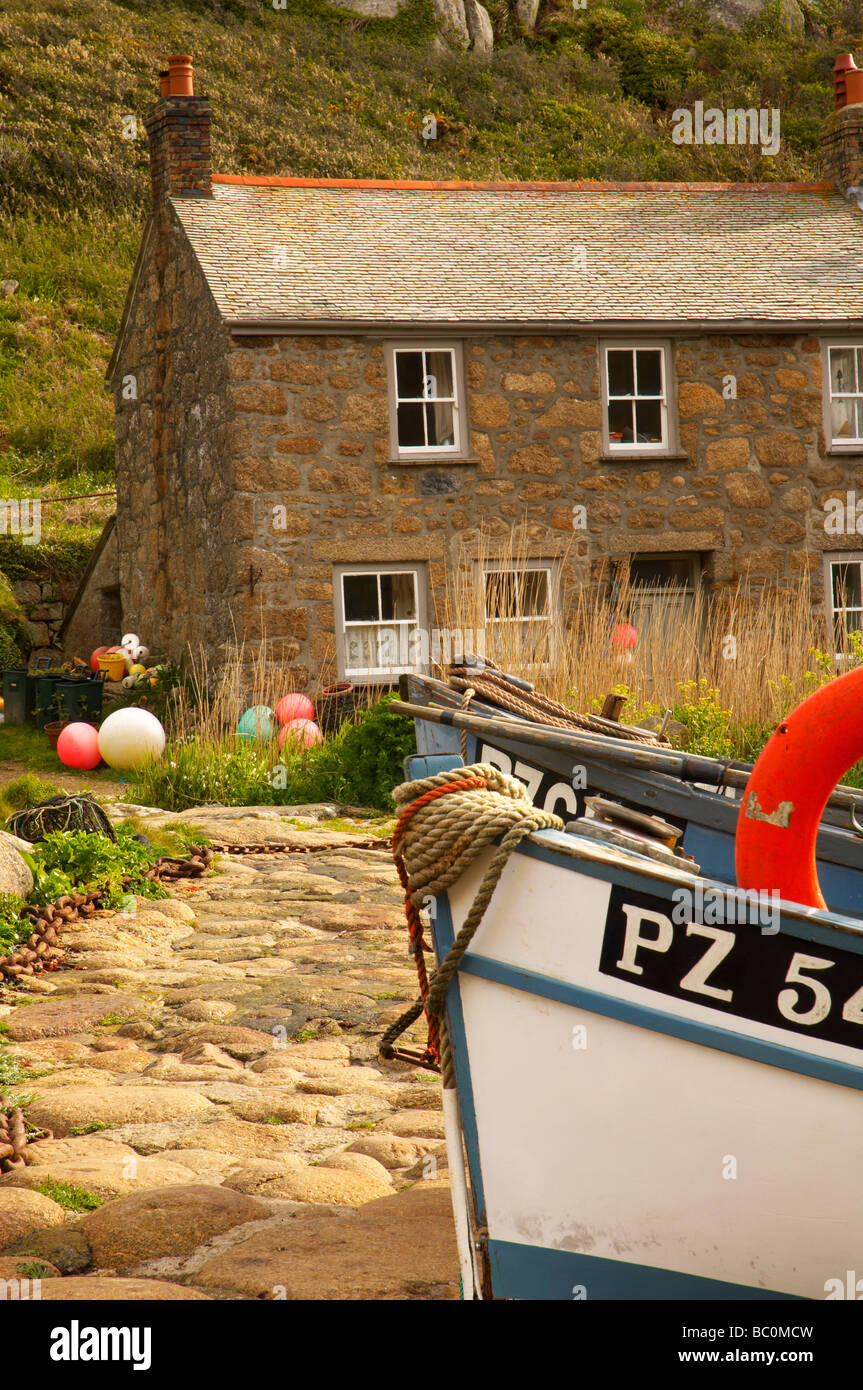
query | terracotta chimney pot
[164, 83]
[180, 79]
[853, 86]
[843, 66]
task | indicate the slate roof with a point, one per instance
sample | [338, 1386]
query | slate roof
[307, 251]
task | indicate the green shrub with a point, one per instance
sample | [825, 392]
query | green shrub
[81, 860]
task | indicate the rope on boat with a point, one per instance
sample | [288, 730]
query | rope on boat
[539, 709]
[466, 698]
[446, 822]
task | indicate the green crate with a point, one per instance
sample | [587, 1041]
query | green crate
[15, 691]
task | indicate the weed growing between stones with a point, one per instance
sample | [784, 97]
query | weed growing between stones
[67, 1195]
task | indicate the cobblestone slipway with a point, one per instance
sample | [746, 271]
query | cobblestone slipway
[210, 1069]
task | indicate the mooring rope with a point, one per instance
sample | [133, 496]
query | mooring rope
[447, 821]
[539, 709]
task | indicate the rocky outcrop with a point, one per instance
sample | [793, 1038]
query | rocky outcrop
[735, 13]
[374, 9]
[478, 27]
[527, 12]
[451, 17]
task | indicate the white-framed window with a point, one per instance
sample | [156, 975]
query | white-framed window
[845, 404]
[843, 585]
[520, 603]
[426, 401]
[635, 397]
[380, 620]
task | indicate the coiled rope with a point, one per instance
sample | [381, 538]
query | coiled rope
[447, 821]
[536, 708]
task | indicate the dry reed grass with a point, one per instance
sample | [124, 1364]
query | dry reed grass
[757, 647]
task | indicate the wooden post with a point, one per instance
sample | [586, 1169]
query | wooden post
[612, 706]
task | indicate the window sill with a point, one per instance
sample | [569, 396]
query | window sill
[431, 461]
[844, 450]
[644, 457]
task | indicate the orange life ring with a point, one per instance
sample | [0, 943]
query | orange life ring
[789, 787]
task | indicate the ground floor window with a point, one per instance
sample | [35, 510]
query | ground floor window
[844, 597]
[520, 609]
[380, 618]
[663, 591]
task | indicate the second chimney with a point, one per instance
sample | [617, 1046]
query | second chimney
[179, 131]
[842, 132]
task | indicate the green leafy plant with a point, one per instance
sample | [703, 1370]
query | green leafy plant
[65, 861]
[69, 1196]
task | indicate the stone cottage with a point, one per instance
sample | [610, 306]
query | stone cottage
[323, 387]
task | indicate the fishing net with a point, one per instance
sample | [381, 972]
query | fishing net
[79, 812]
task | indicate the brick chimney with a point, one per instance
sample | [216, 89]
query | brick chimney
[842, 132]
[179, 131]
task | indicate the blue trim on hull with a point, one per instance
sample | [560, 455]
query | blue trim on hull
[658, 1021]
[535, 1272]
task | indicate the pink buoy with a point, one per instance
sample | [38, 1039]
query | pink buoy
[300, 732]
[78, 746]
[294, 706]
[624, 637]
[94, 657]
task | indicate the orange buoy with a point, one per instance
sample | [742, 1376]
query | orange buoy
[789, 787]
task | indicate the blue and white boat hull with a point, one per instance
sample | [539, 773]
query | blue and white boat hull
[653, 1108]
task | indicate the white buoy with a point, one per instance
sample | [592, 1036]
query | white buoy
[128, 737]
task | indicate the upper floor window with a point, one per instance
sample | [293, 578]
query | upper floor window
[846, 394]
[635, 397]
[426, 401]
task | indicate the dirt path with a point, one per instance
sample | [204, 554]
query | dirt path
[210, 1068]
[65, 780]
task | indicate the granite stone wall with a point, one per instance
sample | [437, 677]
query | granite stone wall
[316, 483]
[174, 491]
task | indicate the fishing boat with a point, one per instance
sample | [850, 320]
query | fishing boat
[562, 767]
[656, 1089]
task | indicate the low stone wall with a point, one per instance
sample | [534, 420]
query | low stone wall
[44, 603]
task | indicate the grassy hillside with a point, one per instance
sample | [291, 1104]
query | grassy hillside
[316, 91]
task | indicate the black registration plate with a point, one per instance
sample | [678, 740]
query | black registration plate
[736, 957]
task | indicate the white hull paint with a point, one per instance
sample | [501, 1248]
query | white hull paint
[620, 1141]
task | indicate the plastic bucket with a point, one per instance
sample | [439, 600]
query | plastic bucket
[114, 665]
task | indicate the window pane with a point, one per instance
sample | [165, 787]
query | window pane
[860, 417]
[842, 374]
[846, 584]
[409, 374]
[360, 648]
[439, 424]
[648, 415]
[620, 422]
[860, 369]
[398, 599]
[649, 372]
[501, 597]
[439, 366]
[534, 593]
[361, 597]
[651, 572]
[621, 373]
[410, 427]
[843, 416]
